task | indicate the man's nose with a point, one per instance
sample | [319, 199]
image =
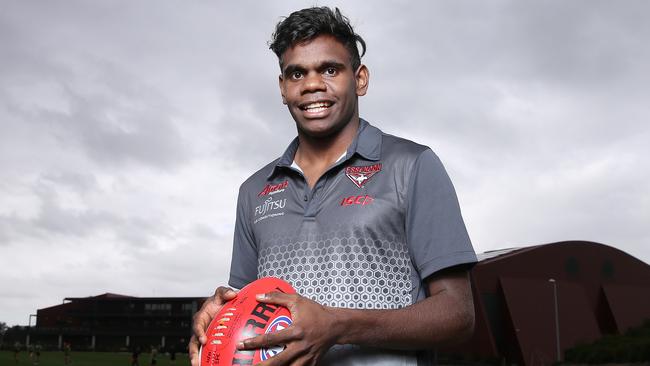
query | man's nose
[313, 82]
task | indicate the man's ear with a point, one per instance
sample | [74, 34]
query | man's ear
[280, 80]
[362, 77]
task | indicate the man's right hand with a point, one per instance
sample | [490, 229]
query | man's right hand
[202, 319]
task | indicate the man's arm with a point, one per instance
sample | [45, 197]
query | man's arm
[446, 316]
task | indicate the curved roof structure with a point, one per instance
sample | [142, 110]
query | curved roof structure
[530, 300]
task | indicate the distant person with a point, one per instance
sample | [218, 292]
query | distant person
[16, 351]
[135, 356]
[172, 354]
[154, 355]
[67, 349]
[37, 353]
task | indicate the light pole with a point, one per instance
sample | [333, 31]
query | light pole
[557, 319]
[29, 329]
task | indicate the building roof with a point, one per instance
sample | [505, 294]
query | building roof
[107, 295]
[505, 252]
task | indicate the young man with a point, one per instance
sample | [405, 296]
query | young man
[366, 226]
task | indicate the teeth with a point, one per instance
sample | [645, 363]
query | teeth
[318, 106]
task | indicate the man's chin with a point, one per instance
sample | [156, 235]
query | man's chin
[317, 129]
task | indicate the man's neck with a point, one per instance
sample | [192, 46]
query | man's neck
[316, 155]
[325, 150]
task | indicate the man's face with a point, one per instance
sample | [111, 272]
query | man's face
[319, 86]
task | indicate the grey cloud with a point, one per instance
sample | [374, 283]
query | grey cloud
[551, 41]
[113, 127]
[54, 222]
[204, 232]
[80, 182]
[252, 138]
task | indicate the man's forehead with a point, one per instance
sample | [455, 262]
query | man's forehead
[315, 52]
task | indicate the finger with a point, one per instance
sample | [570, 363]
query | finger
[269, 339]
[193, 349]
[225, 293]
[201, 321]
[210, 307]
[286, 357]
[278, 298]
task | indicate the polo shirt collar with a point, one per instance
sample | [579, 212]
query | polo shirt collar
[366, 143]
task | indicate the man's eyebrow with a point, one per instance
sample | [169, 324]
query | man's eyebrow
[331, 63]
[291, 68]
[322, 66]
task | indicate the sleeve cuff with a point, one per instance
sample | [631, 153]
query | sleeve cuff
[236, 282]
[437, 264]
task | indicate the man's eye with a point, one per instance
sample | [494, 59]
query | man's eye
[296, 75]
[330, 71]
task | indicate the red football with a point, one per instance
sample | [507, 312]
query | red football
[244, 317]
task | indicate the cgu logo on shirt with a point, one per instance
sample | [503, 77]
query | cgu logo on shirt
[357, 200]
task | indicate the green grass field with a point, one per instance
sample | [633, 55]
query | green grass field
[90, 359]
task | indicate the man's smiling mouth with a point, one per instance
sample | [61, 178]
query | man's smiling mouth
[316, 107]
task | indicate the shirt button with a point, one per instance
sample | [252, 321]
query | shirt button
[305, 198]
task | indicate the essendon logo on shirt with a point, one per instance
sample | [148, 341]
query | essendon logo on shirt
[274, 188]
[359, 175]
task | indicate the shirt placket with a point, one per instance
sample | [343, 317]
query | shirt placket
[313, 197]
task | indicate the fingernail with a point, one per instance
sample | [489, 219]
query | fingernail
[260, 296]
[202, 339]
[240, 345]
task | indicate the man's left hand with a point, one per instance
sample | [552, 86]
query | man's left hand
[307, 339]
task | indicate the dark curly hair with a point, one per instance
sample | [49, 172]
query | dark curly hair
[306, 24]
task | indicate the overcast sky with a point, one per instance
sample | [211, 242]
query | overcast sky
[127, 127]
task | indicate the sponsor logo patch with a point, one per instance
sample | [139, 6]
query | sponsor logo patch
[357, 200]
[279, 323]
[268, 209]
[359, 175]
[274, 188]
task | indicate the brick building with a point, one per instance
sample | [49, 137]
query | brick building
[534, 303]
[116, 322]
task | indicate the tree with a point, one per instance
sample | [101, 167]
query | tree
[3, 330]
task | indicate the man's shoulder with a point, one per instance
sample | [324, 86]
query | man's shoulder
[256, 182]
[394, 145]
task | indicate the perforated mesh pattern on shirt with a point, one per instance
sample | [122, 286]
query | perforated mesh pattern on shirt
[342, 271]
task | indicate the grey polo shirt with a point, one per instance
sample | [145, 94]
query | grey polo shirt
[375, 225]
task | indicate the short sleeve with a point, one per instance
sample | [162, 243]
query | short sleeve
[243, 267]
[435, 230]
